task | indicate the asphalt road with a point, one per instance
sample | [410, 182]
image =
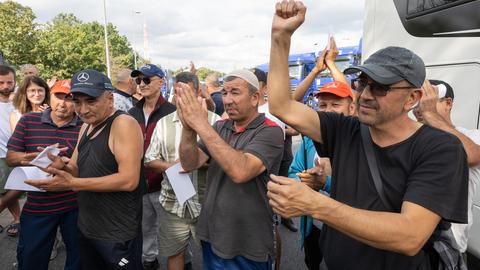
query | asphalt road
[292, 257]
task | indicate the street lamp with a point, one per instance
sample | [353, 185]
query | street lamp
[107, 51]
[133, 46]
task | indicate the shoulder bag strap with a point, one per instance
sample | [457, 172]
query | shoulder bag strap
[372, 165]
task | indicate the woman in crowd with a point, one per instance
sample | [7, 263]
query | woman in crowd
[32, 96]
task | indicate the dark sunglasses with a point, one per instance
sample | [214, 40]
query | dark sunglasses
[377, 89]
[145, 80]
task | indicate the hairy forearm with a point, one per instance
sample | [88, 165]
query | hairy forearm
[382, 230]
[158, 166]
[302, 88]
[188, 150]
[472, 149]
[232, 161]
[278, 77]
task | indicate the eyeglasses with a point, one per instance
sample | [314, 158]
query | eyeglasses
[377, 89]
[145, 80]
[35, 91]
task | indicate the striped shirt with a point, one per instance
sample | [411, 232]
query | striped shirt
[164, 146]
[38, 130]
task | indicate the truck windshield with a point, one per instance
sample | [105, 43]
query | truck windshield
[342, 64]
[295, 72]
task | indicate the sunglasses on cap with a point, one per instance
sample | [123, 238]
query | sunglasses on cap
[377, 89]
[145, 80]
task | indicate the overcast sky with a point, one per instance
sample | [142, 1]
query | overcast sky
[218, 34]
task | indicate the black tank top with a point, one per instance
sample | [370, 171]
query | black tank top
[110, 216]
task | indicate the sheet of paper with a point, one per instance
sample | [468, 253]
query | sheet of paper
[181, 183]
[42, 159]
[16, 179]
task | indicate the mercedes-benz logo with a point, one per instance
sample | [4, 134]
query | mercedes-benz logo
[83, 77]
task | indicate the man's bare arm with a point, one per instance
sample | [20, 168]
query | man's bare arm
[191, 157]
[297, 115]
[405, 232]
[241, 167]
[330, 58]
[472, 149]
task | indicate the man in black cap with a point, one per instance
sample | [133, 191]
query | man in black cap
[106, 170]
[151, 108]
[422, 171]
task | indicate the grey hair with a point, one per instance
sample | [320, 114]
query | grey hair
[26, 66]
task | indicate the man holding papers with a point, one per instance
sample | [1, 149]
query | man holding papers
[177, 219]
[106, 170]
[236, 221]
[44, 212]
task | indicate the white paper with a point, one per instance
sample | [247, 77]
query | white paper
[16, 179]
[42, 159]
[181, 183]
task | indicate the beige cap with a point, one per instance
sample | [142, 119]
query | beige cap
[246, 75]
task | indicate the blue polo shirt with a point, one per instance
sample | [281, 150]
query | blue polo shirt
[38, 130]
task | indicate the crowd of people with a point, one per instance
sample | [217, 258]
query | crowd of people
[373, 187]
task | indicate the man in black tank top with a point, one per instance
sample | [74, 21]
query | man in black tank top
[106, 170]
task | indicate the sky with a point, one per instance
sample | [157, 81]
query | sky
[219, 34]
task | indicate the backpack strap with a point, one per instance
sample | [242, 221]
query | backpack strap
[372, 165]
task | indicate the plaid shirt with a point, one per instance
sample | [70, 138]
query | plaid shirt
[164, 146]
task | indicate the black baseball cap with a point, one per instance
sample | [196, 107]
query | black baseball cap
[391, 65]
[90, 82]
[148, 70]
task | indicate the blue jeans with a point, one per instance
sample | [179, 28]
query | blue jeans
[37, 236]
[213, 262]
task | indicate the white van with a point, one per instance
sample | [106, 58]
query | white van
[446, 35]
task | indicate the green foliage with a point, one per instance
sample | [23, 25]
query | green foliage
[18, 33]
[60, 47]
[203, 72]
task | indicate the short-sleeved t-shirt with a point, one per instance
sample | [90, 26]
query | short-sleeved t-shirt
[38, 130]
[236, 219]
[429, 169]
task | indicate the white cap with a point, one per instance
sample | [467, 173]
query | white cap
[442, 90]
[245, 75]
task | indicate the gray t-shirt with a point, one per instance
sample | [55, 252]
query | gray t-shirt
[236, 219]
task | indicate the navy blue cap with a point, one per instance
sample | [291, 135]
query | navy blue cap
[261, 75]
[90, 82]
[148, 70]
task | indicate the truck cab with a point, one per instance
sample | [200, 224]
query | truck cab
[300, 65]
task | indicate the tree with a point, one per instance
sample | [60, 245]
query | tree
[68, 45]
[18, 32]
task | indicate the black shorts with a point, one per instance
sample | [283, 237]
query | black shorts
[103, 254]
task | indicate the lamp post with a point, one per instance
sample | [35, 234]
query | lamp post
[107, 51]
[135, 55]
